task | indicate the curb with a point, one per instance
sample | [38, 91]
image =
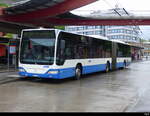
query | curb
[5, 71]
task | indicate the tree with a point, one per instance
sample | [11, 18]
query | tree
[60, 27]
[9, 35]
[143, 40]
[3, 5]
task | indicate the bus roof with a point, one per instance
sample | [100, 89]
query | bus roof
[41, 28]
[94, 36]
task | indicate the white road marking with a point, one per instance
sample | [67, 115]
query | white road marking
[13, 76]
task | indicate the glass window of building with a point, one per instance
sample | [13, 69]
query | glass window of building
[120, 36]
[110, 31]
[80, 28]
[113, 31]
[96, 27]
[80, 33]
[128, 37]
[89, 27]
[90, 33]
[99, 27]
[98, 32]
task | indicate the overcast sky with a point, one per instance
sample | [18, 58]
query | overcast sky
[128, 4]
[135, 6]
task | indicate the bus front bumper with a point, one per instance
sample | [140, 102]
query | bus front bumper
[25, 74]
[51, 73]
[48, 74]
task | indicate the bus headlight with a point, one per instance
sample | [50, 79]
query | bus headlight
[53, 72]
[21, 70]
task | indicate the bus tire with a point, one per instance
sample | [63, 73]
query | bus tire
[78, 72]
[107, 67]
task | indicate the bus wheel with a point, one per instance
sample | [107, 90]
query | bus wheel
[107, 67]
[78, 72]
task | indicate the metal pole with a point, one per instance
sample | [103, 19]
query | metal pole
[114, 55]
[8, 57]
[15, 62]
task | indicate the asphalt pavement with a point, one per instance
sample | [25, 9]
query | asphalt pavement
[124, 90]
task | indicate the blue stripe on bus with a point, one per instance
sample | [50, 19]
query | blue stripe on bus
[94, 68]
[69, 72]
[120, 64]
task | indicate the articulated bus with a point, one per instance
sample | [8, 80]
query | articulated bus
[57, 54]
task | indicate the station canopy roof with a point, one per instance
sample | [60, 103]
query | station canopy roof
[49, 13]
[42, 13]
[26, 6]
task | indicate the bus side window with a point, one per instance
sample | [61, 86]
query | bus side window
[62, 46]
[69, 53]
[60, 53]
[62, 50]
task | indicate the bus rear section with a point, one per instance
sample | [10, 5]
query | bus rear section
[123, 55]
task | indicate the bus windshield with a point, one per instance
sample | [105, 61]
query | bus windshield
[37, 47]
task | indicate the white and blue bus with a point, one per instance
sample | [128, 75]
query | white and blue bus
[57, 54]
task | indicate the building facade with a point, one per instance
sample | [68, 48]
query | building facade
[87, 30]
[129, 34]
